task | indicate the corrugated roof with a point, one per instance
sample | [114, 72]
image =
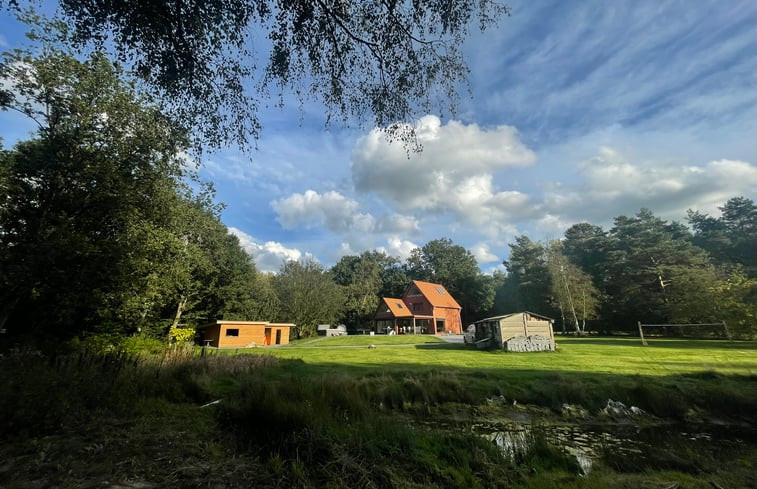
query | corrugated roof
[436, 294]
[397, 307]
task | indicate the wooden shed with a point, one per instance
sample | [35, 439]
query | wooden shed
[244, 334]
[520, 331]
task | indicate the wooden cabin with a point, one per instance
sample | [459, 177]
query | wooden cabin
[425, 308]
[244, 334]
[520, 331]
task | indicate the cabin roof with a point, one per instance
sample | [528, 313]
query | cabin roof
[397, 307]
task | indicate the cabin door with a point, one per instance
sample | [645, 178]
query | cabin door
[267, 340]
[440, 325]
[278, 336]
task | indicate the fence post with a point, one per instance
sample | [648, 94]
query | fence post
[641, 333]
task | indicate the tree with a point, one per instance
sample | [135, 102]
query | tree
[99, 228]
[307, 296]
[529, 277]
[572, 289]
[380, 58]
[648, 263]
[456, 268]
[102, 160]
[586, 246]
[364, 278]
[732, 237]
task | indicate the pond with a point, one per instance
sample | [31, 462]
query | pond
[627, 447]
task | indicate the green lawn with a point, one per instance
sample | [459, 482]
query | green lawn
[365, 340]
[615, 356]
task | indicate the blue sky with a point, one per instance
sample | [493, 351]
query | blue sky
[578, 111]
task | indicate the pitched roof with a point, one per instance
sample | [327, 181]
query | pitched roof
[397, 307]
[436, 294]
[503, 316]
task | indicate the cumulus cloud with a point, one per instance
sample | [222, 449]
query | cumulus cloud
[452, 153]
[453, 175]
[483, 254]
[268, 256]
[398, 247]
[336, 213]
[612, 185]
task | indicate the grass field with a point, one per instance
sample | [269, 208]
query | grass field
[624, 356]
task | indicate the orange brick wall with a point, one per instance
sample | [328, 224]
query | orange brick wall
[452, 321]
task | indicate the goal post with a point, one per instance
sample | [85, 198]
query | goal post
[642, 326]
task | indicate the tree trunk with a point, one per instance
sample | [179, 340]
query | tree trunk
[179, 310]
[570, 303]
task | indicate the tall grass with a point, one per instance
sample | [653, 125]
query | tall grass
[40, 394]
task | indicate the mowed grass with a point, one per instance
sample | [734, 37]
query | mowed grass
[615, 356]
[366, 340]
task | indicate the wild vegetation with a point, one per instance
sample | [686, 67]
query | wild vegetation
[396, 416]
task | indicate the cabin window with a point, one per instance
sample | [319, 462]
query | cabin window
[399, 305]
[417, 306]
[232, 332]
[440, 290]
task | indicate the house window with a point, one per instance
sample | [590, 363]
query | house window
[440, 290]
[399, 305]
[232, 332]
[417, 306]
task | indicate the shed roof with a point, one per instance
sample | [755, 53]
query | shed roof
[516, 314]
[436, 294]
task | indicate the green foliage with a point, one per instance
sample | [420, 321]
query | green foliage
[308, 296]
[732, 237]
[101, 231]
[376, 61]
[363, 277]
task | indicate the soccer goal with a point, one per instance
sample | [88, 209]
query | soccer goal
[663, 329]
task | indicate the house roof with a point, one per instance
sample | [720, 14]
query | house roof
[436, 294]
[397, 307]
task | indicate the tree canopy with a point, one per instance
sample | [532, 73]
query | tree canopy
[103, 228]
[217, 62]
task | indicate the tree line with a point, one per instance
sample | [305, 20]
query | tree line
[107, 231]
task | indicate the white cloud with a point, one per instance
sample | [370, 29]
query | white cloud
[268, 256]
[483, 254]
[451, 153]
[452, 176]
[398, 247]
[336, 213]
[611, 185]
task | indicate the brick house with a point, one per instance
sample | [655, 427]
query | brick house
[425, 308]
